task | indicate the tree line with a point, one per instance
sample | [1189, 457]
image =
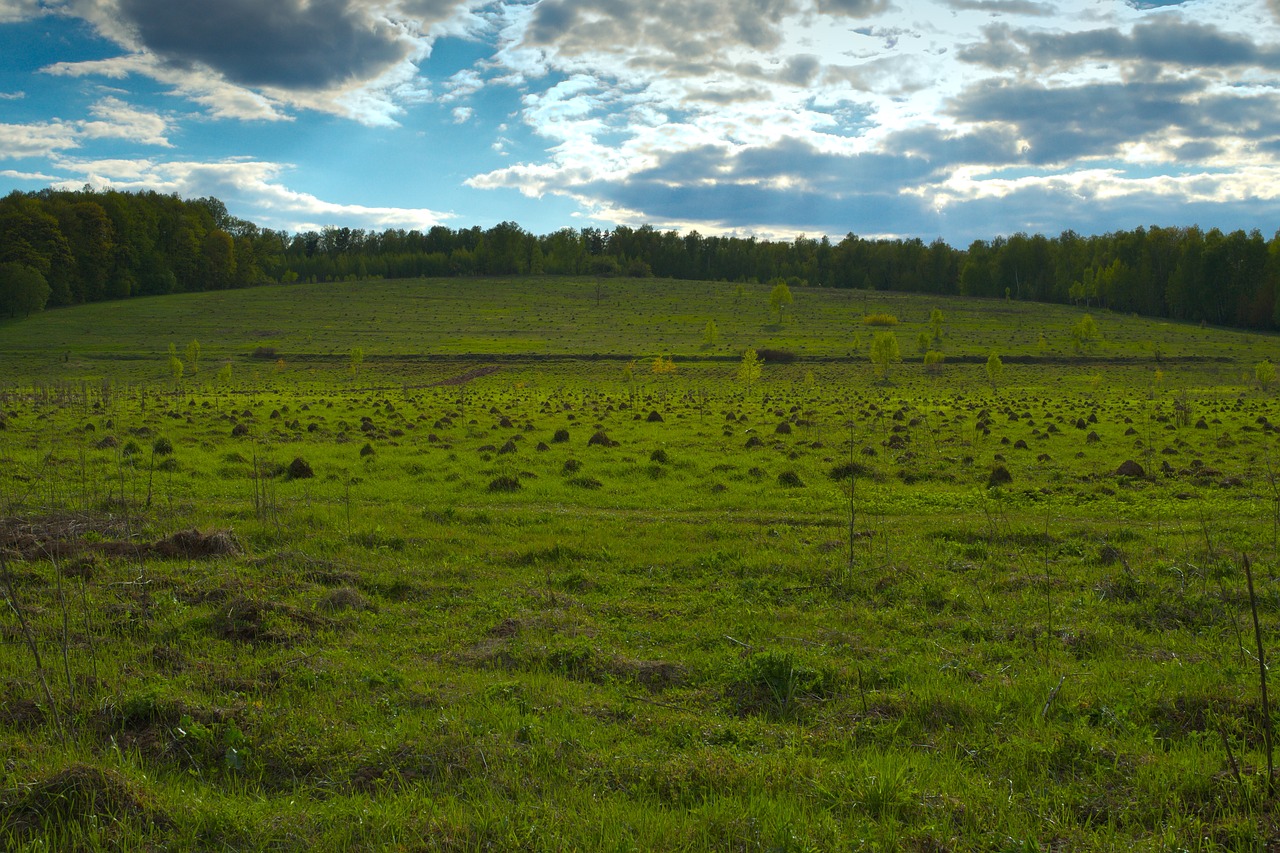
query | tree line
[69, 247]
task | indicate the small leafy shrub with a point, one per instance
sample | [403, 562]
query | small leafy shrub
[775, 683]
[879, 319]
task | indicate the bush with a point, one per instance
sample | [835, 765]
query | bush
[879, 319]
[776, 356]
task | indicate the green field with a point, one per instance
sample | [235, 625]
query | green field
[499, 585]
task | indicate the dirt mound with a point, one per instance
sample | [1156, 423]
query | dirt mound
[1129, 468]
[193, 544]
[79, 793]
[599, 439]
[300, 469]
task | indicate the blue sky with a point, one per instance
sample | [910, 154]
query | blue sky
[959, 119]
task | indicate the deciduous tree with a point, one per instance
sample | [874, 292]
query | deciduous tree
[780, 300]
[22, 290]
[884, 352]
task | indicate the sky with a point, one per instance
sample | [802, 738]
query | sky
[959, 119]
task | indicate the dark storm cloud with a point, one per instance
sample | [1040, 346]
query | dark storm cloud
[1163, 41]
[789, 182]
[800, 70]
[1193, 152]
[1095, 120]
[751, 206]
[724, 98]
[1081, 121]
[290, 44]
[1050, 210]
[795, 161]
[987, 146]
[852, 8]
[1005, 7]
[688, 29]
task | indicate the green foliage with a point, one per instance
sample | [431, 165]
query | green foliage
[23, 290]
[995, 370]
[662, 366]
[780, 300]
[355, 358]
[710, 334]
[1265, 373]
[923, 342]
[604, 265]
[1085, 333]
[933, 360]
[176, 368]
[935, 323]
[880, 319]
[91, 246]
[884, 352]
[749, 369]
[193, 355]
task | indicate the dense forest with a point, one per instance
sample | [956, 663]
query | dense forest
[68, 247]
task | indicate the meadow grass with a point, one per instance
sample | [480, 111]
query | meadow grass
[461, 623]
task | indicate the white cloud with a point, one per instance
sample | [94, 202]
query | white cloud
[113, 119]
[244, 184]
[28, 176]
[118, 120]
[12, 11]
[36, 140]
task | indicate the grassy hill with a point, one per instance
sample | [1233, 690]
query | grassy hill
[500, 588]
[402, 323]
